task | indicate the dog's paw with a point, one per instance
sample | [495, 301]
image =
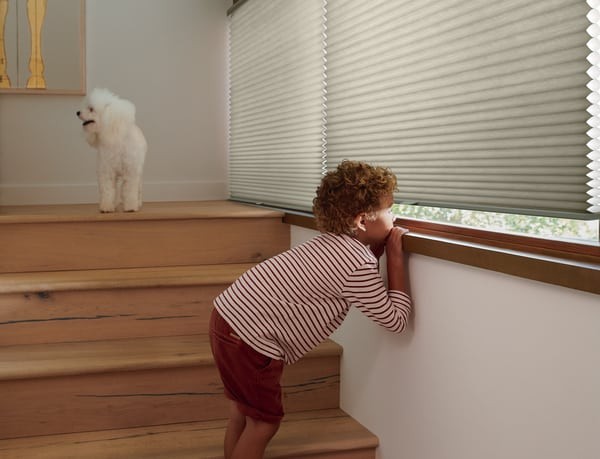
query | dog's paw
[107, 209]
[131, 205]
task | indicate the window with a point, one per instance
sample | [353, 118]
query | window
[475, 105]
[579, 231]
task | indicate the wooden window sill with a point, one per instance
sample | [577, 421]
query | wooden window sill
[570, 265]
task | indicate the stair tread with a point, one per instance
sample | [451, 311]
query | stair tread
[75, 358]
[149, 211]
[87, 279]
[52, 238]
[304, 433]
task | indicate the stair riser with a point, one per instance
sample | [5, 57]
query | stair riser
[56, 246]
[143, 398]
[90, 315]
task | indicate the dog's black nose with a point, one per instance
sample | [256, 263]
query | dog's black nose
[78, 113]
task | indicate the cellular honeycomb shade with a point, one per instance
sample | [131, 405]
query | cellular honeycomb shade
[477, 104]
[277, 89]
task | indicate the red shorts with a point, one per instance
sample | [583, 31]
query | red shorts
[250, 379]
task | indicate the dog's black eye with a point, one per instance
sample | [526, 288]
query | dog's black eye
[91, 109]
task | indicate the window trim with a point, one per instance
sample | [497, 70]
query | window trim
[571, 265]
[584, 251]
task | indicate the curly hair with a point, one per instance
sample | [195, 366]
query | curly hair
[350, 190]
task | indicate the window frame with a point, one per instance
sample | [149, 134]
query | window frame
[571, 265]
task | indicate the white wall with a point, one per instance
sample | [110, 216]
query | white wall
[169, 58]
[493, 367]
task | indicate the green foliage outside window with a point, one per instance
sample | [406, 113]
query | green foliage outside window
[545, 227]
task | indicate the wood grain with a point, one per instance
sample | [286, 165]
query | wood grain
[91, 315]
[134, 244]
[70, 358]
[323, 434]
[564, 272]
[161, 276]
[74, 387]
[103, 321]
[150, 211]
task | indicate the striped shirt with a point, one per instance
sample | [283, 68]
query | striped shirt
[288, 304]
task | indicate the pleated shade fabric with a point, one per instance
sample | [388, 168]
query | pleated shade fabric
[277, 89]
[473, 104]
[594, 108]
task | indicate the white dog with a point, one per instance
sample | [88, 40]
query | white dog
[109, 126]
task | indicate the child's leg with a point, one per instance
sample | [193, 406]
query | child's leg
[235, 427]
[254, 439]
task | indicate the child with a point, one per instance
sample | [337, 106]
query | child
[285, 306]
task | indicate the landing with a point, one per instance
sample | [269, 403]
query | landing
[150, 211]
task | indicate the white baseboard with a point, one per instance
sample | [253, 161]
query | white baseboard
[88, 193]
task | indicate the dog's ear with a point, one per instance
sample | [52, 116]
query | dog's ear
[117, 117]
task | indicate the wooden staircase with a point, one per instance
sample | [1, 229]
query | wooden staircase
[103, 346]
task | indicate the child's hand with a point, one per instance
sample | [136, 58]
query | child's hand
[395, 260]
[393, 245]
[378, 249]
[396, 232]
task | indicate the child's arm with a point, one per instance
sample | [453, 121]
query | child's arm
[396, 269]
[389, 307]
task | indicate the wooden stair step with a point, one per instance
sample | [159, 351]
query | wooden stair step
[79, 358]
[81, 386]
[63, 359]
[72, 237]
[165, 276]
[91, 305]
[322, 434]
[166, 210]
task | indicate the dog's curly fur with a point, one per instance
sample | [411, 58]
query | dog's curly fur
[109, 126]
